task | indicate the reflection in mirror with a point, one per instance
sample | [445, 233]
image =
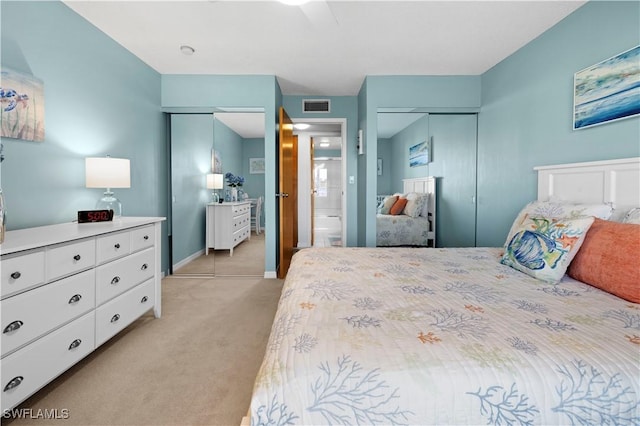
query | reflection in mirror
[227, 143]
[451, 141]
[397, 131]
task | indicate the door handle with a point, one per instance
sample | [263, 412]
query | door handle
[282, 194]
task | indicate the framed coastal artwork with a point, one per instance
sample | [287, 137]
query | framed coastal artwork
[256, 166]
[419, 154]
[607, 91]
[21, 106]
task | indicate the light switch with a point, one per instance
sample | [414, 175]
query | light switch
[352, 180]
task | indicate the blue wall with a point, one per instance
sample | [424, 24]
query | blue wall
[254, 183]
[416, 132]
[526, 116]
[191, 143]
[385, 153]
[229, 145]
[99, 100]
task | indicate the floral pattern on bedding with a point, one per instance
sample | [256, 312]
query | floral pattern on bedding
[444, 336]
[401, 230]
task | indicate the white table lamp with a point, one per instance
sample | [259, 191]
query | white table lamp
[107, 172]
[215, 181]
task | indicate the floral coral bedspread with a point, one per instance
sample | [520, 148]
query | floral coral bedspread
[444, 336]
[401, 230]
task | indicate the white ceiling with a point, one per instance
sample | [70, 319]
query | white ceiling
[323, 48]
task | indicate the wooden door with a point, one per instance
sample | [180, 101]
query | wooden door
[287, 191]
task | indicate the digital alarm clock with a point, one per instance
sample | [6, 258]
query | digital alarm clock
[85, 216]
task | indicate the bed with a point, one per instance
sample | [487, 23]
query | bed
[454, 336]
[404, 230]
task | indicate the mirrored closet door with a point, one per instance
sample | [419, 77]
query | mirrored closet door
[451, 142]
[217, 156]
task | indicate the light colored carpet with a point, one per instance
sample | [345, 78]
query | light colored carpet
[247, 260]
[194, 366]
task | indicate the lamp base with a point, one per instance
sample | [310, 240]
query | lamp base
[215, 197]
[109, 202]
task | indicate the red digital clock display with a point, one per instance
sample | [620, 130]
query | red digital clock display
[85, 216]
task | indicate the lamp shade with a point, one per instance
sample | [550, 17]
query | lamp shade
[107, 172]
[215, 181]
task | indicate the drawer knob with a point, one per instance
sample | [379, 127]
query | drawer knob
[75, 299]
[115, 318]
[15, 275]
[75, 344]
[12, 327]
[117, 245]
[146, 237]
[144, 267]
[14, 383]
[76, 257]
[115, 280]
[144, 299]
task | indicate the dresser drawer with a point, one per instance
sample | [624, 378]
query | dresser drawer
[240, 235]
[112, 246]
[65, 259]
[118, 313]
[30, 368]
[31, 314]
[120, 275]
[244, 208]
[240, 222]
[21, 271]
[142, 238]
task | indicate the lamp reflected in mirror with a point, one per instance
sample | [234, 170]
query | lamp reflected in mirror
[215, 181]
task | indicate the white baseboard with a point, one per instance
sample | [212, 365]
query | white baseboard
[188, 259]
[270, 275]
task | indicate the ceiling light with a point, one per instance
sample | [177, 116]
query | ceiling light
[187, 50]
[324, 144]
[301, 126]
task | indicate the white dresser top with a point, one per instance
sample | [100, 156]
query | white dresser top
[230, 203]
[29, 238]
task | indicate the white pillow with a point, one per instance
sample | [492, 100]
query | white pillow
[425, 206]
[558, 210]
[388, 203]
[632, 216]
[544, 248]
[414, 205]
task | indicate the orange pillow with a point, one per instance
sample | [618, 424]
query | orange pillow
[398, 207]
[608, 259]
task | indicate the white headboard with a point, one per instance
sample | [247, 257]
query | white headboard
[609, 181]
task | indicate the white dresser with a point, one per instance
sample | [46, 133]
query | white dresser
[68, 288]
[227, 225]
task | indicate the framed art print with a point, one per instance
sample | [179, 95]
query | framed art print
[419, 154]
[256, 166]
[22, 112]
[607, 91]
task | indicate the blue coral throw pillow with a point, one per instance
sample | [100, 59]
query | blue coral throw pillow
[544, 248]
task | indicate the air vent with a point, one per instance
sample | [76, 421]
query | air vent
[316, 105]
